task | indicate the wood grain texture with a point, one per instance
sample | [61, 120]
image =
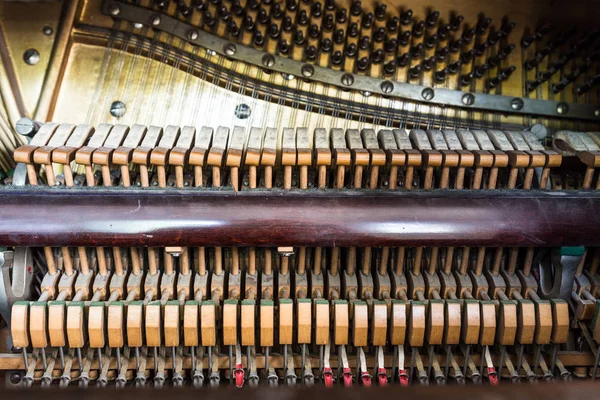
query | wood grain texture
[87, 217]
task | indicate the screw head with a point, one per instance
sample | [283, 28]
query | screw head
[192, 34]
[468, 99]
[230, 49]
[562, 108]
[242, 111]
[47, 30]
[428, 94]
[117, 109]
[155, 20]
[15, 378]
[307, 70]
[347, 80]
[26, 127]
[268, 60]
[31, 56]
[114, 10]
[386, 87]
[366, 93]
[517, 104]
[288, 77]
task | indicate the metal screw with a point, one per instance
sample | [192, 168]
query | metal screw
[242, 111]
[308, 70]
[114, 10]
[27, 127]
[31, 56]
[117, 109]
[138, 25]
[211, 52]
[366, 93]
[47, 30]
[347, 80]
[230, 49]
[155, 20]
[268, 60]
[517, 104]
[468, 99]
[428, 93]
[387, 87]
[562, 108]
[15, 378]
[192, 34]
[288, 77]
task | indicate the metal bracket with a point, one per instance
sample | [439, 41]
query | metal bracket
[364, 84]
[19, 287]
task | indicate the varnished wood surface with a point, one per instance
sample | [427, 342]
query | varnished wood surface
[101, 217]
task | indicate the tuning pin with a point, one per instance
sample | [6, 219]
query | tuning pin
[455, 22]
[338, 36]
[274, 31]
[481, 69]
[468, 35]
[184, 10]
[432, 18]
[379, 34]
[403, 60]
[233, 29]
[507, 72]
[380, 11]
[326, 45]
[493, 82]
[298, 38]
[248, 24]
[356, 8]
[363, 64]
[291, 5]
[353, 30]
[480, 49]
[417, 51]
[367, 20]
[199, 5]
[390, 46]
[340, 15]
[531, 85]
[441, 75]
[287, 24]
[414, 72]
[328, 24]
[263, 16]
[483, 25]
[454, 67]
[431, 41]
[259, 39]
[542, 31]
[428, 64]
[377, 57]
[467, 57]
[390, 67]
[505, 51]
[507, 28]
[406, 17]
[237, 8]
[404, 38]
[311, 52]
[392, 24]
[316, 10]
[302, 18]
[441, 53]
[363, 43]
[283, 46]
[443, 31]
[209, 20]
[418, 29]
[252, 4]
[350, 50]
[313, 31]
[466, 79]
[336, 57]
[161, 3]
[455, 45]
